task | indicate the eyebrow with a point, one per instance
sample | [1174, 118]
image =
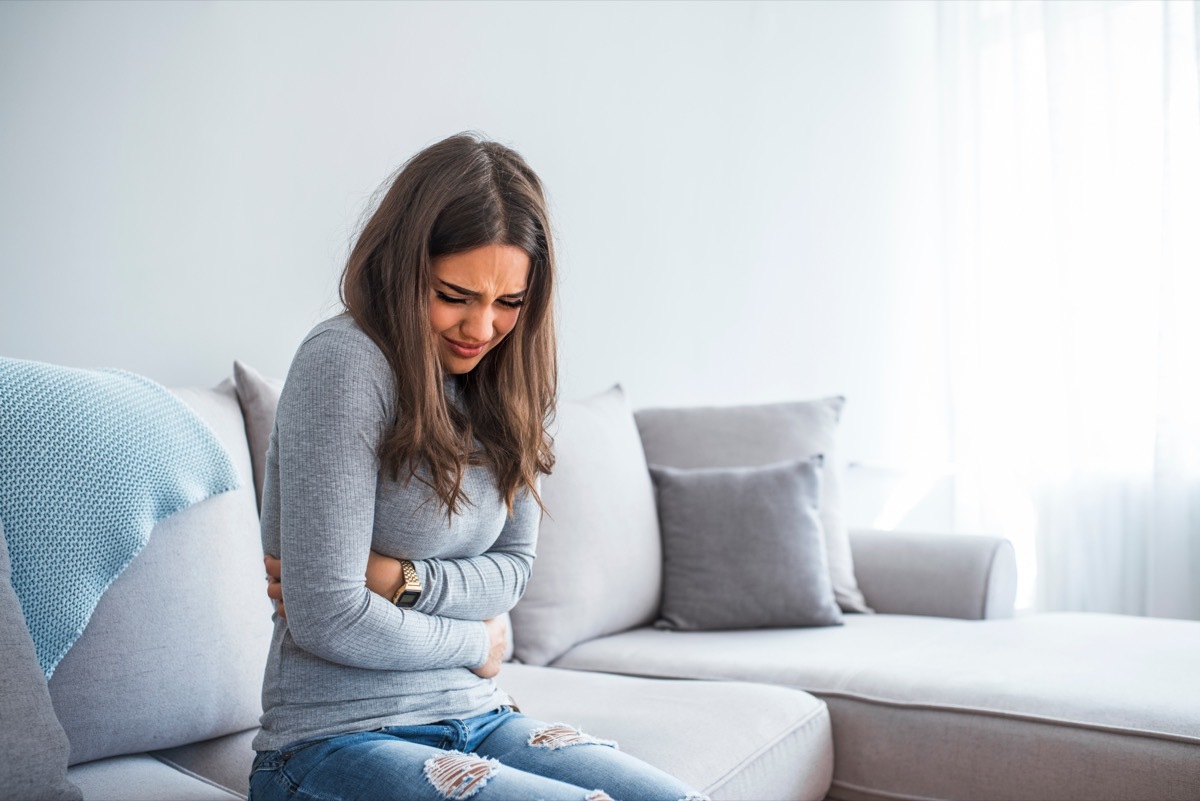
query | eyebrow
[468, 292]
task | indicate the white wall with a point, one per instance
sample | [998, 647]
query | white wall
[746, 194]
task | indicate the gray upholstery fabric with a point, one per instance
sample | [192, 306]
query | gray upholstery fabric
[884, 754]
[728, 739]
[743, 547]
[746, 436]
[1059, 706]
[816, 660]
[34, 747]
[176, 648]
[943, 575]
[259, 398]
[143, 778]
[222, 761]
[599, 557]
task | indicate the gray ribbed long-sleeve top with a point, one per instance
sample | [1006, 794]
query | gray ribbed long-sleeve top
[346, 659]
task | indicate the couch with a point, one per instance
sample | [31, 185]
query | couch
[933, 689]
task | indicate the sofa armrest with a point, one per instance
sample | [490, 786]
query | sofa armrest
[938, 575]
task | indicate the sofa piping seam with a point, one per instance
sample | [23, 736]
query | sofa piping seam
[992, 713]
[806, 721]
[176, 766]
[883, 794]
[965, 710]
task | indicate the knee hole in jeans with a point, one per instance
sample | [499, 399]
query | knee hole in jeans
[560, 735]
[457, 775]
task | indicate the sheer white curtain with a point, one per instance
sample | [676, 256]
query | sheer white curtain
[1072, 188]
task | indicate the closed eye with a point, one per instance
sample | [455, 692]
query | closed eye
[449, 298]
[513, 304]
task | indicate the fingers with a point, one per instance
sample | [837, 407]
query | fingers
[274, 587]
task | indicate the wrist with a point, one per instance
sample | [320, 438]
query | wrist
[408, 594]
[384, 574]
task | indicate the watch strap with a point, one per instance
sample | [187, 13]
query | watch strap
[409, 591]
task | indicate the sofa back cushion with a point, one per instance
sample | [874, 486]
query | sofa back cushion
[35, 748]
[176, 648]
[599, 557]
[259, 398]
[751, 436]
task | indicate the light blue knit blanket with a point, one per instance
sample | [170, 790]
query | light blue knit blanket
[90, 461]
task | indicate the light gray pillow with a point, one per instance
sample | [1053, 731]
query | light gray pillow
[32, 742]
[748, 436]
[259, 398]
[743, 547]
[176, 649]
[599, 557]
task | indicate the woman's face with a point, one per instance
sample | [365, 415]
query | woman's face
[475, 301]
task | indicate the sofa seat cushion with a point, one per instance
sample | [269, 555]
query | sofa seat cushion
[1042, 706]
[221, 761]
[141, 777]
[727, 739]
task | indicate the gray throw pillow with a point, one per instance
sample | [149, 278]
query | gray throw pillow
[259, 398]
[33, 743]
[743, 547]
[759, 434]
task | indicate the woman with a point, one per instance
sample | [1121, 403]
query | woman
[408, 446]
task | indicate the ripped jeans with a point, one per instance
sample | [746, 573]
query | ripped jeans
[501, 755]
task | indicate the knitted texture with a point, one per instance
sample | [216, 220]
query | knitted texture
[90, 461]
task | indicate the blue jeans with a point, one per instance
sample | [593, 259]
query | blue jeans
[501, 755]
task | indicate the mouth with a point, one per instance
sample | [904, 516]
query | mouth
[465, 350]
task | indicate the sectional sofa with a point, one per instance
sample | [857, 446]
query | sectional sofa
[931, 689]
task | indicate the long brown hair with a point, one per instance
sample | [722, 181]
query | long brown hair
[461, 193]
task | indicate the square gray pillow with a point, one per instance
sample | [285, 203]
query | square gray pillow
[34, 746]
[759, 434]
[743, 547]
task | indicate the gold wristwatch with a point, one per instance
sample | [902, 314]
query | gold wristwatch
[409, 593]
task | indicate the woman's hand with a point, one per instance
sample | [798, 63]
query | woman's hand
[497, 644]
[384, 576]
[274, 583]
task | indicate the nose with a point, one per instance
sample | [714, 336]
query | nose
[478, 325]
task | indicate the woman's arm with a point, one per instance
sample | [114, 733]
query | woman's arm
[468, 588]
[333, 410]
[488, 585]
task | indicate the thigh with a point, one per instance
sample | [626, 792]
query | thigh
[377, 766]
[365, 765]
[562, 752]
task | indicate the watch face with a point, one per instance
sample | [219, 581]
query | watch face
[408, 599]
